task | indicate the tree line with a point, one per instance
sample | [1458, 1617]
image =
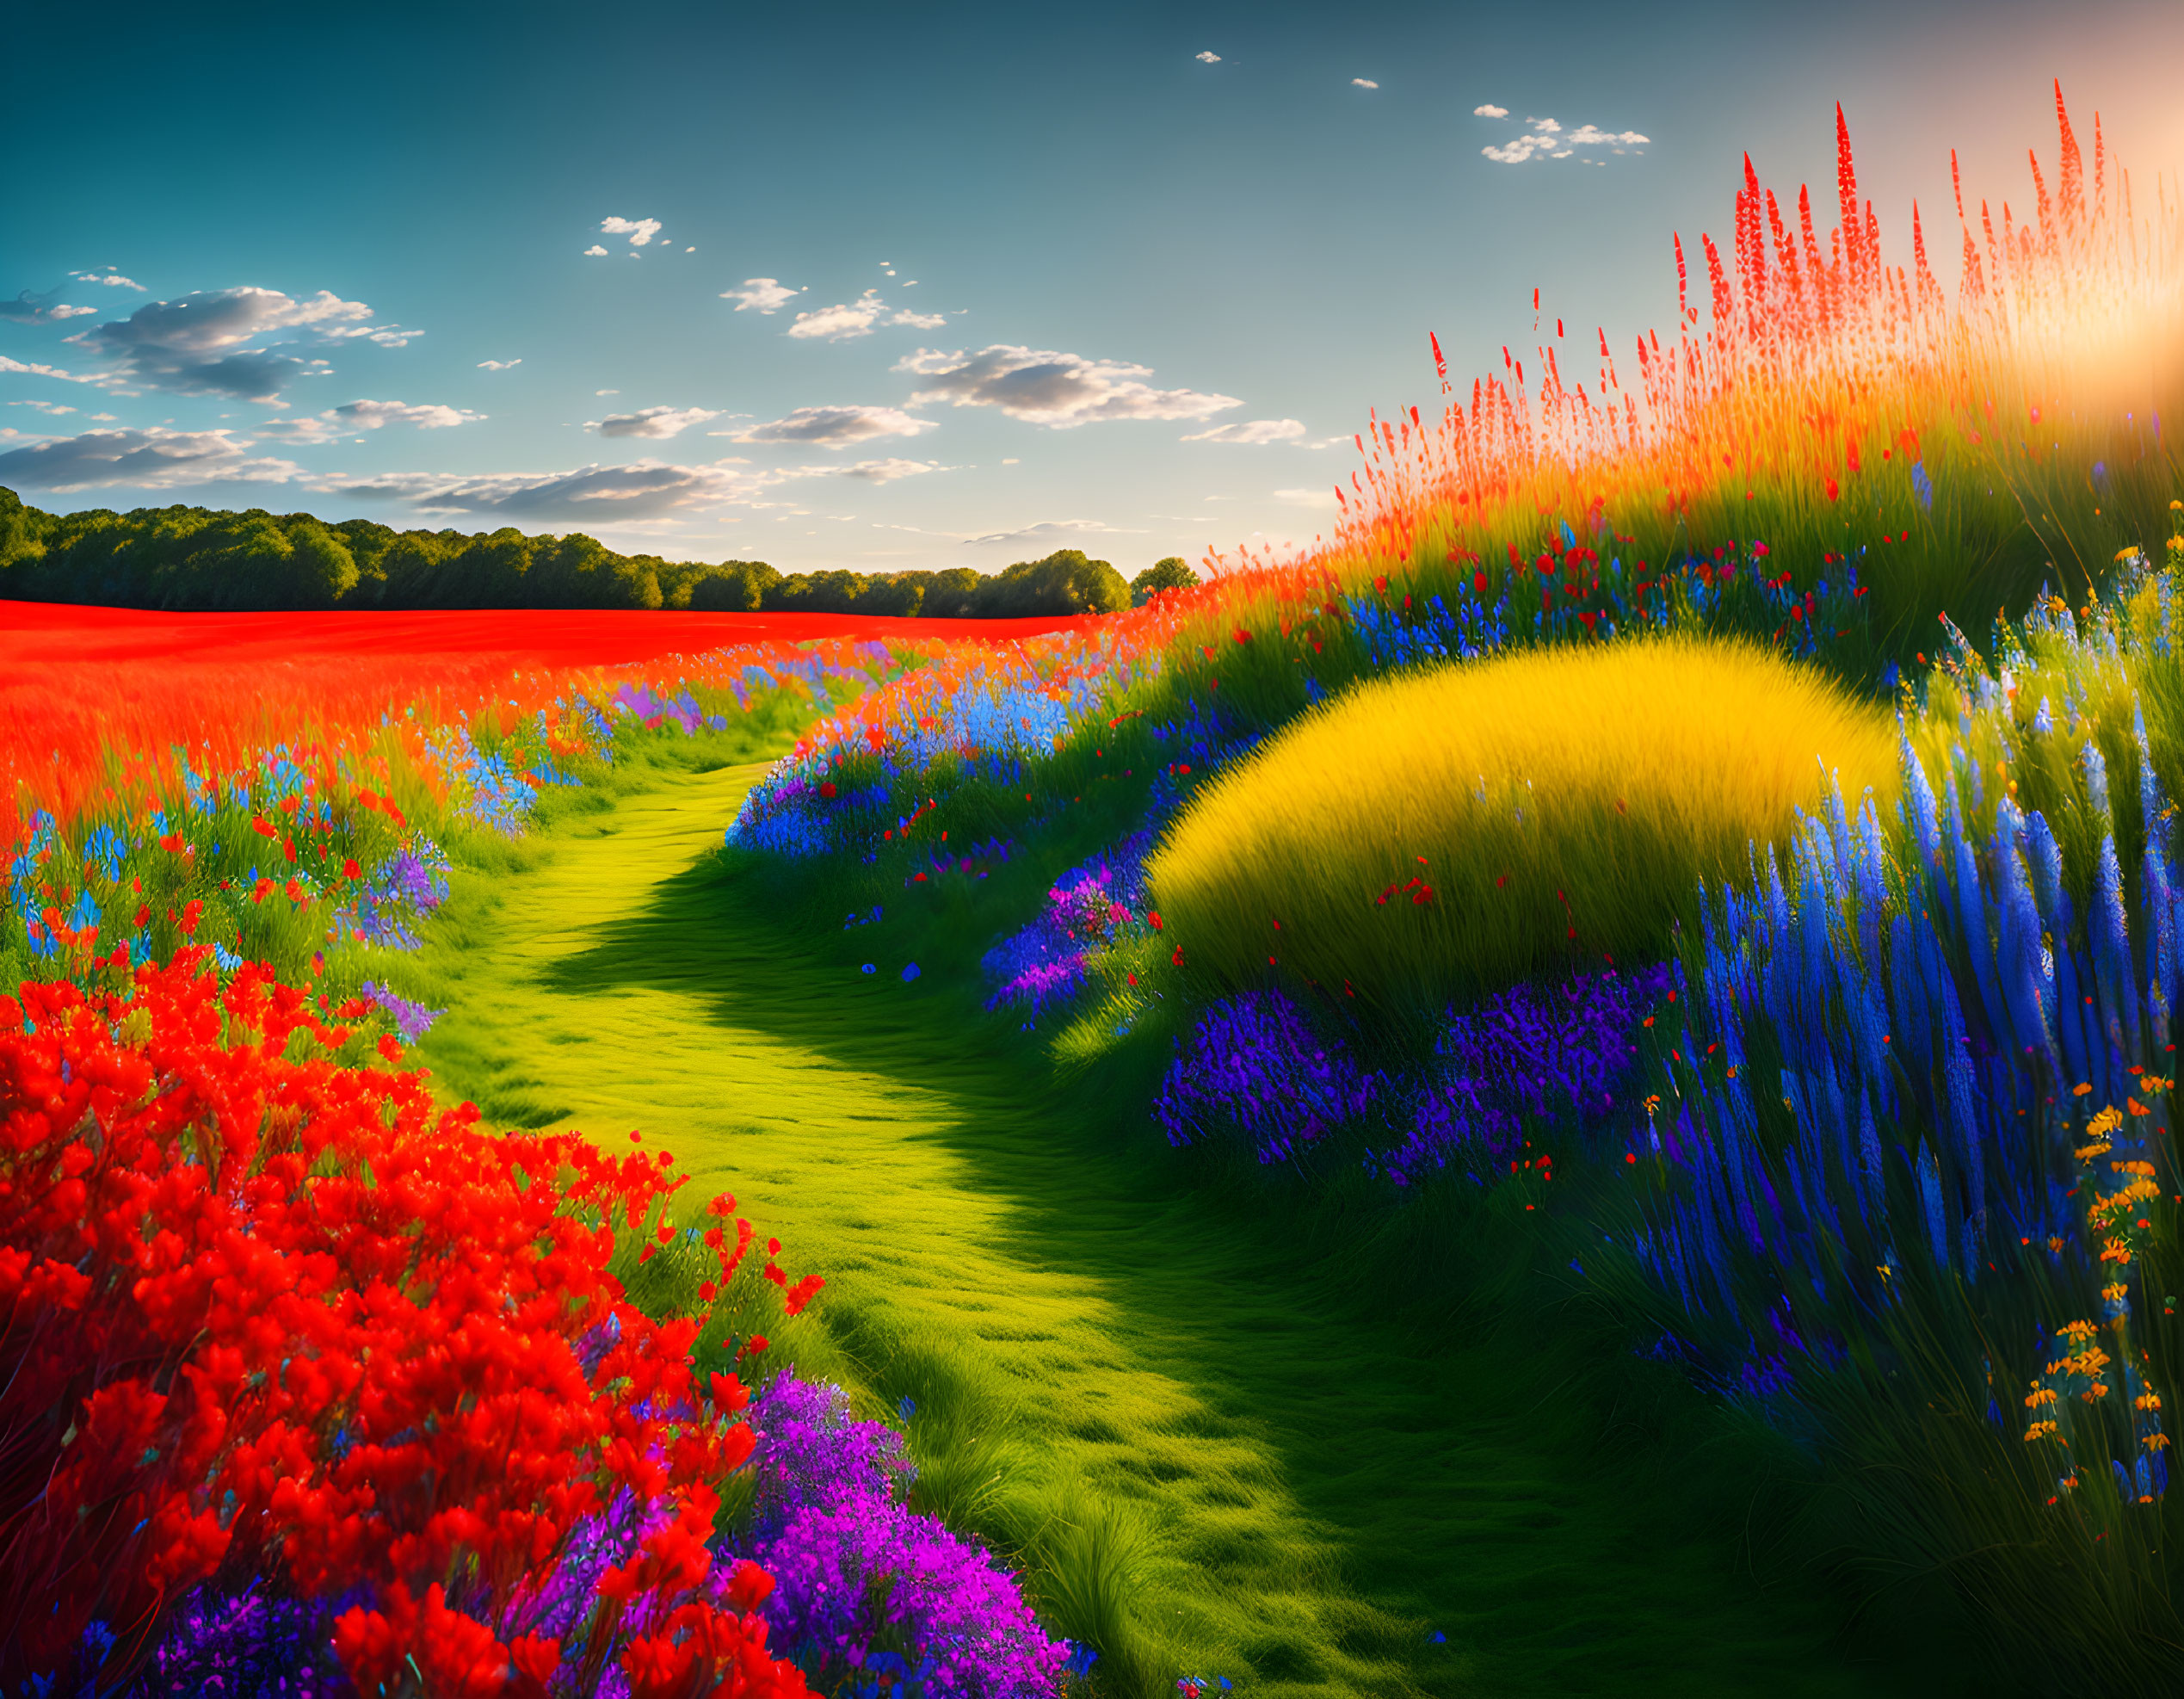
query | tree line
[194, 559]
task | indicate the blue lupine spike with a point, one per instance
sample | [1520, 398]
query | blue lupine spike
[1839, 823]
[1968, 1247]
[1813, 909]
[2157, 903]
[1932, 1205]
[2081, 1057]
[2151, 803]
[2111, 956]
[1906, 991]
[1924, 825]
[2043, 721]
[1956, 1073]
[1734, 1150]
[2046, 857]
[2021, 966]
[1778, 906]
[1871, 880]
[2096, 784]
[1971, 913]
[1838, 1123]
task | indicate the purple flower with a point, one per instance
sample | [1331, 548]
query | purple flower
[412, 1020]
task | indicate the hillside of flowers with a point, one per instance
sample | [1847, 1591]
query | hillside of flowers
[309, 1382]
[1874, 1141]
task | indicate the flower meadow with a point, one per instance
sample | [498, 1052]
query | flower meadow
[311, 1382]
[1873, 1140]
[1864, 1128]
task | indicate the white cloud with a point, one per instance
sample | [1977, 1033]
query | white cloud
[29, 309]
[53, 407]
[1055, 531]
[430, 416]
[594, 252]
[1012, 460]
[1489, 112]
[653, 421]
[499, 365]
[357, 416]
[760, 295]
[111, 278]
[1547, 140]
[847, 320]
[304, 433]
[876, 471]
[1048, 388]
[1254, 431]
[156, 458]
[32, 368]
[1209, 58]
[639, 231]
[589, 494]
[197, 344]
[1306, 497]
[386, 335]
[1363, 82]
[606, 391]
[836, 427]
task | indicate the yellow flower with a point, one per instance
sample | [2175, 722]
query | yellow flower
[2043, 1430]
[2106, 1122]
[2114, 1295]
[2155, 1442]
[2083, 1088]
[2044, 1395]
[2076, 1329]
[2148, 1401]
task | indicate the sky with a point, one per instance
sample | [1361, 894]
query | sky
[882, 286]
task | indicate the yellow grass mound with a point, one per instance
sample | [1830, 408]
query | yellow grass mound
[1440, 834]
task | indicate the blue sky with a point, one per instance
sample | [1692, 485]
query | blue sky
[881, 287]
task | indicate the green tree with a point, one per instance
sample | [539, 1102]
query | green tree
[319, 570]
[1170, 572]
[951, 594]
[1066, 581]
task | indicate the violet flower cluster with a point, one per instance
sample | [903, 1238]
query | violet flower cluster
[402, 891]
[1256, 1066]
[1046, 962]
[1528, 1051]
[412, 1020]
[862, 1581]
[868, 1591]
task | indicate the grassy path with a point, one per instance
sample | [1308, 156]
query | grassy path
[1139, 1393]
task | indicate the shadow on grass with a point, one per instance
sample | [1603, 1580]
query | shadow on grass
[1386, 1437]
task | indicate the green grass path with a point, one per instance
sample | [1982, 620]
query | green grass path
[1130, 1381]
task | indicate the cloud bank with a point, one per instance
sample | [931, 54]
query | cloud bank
[200, 343]
[1062, 390]
[854, 319]
[1254, 431]
[156, 458]
[836, 427]
[653, 421]
[760, 295]
[1548, 140]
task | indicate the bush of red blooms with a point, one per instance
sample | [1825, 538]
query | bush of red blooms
[265, 1315]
